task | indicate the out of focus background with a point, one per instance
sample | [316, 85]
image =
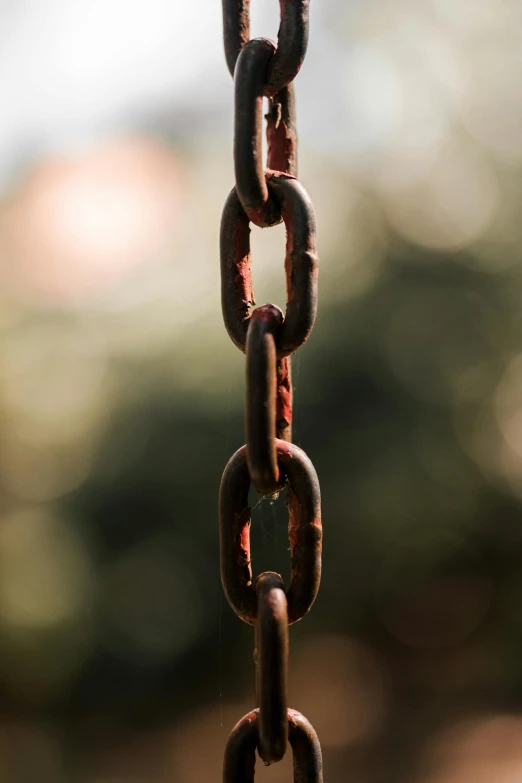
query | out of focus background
[121, 396]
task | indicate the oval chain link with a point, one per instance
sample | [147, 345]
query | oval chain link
[249, 80]
[272, 666]
[301, 266]
[240, 753]
[304, 533]
[292, 39]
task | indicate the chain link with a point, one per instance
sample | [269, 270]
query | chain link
[271, 666]
[292, 39]
[240, 753]
[249, 79]
[261, 393]
[269, 460]
[301, 266]
[304, 532]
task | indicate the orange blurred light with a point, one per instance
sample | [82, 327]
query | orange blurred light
[78, 225]
[482, 750]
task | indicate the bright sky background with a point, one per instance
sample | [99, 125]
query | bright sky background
[71, 70]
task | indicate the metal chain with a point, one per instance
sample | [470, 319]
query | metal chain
[269, 460]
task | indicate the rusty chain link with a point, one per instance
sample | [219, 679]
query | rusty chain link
[269, 460]
[271, 666]
[237, 295]
[240, 753]
[292, 39]
[304, 532]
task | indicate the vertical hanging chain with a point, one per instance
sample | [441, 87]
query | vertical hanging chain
[268, 338]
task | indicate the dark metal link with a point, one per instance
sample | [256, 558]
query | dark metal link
[272, 666]
[261, 208]
[308, 759]
[249, 80]
[292, 43]
[236, 29]
[237, 293]
[292, 39]
[301, 266]
[268, 398]
[240, 754]
[304, 533]
[261, 380]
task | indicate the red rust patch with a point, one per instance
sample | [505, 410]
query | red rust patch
[284, 399]
[294, 518]
[244, 535]
[282, 144]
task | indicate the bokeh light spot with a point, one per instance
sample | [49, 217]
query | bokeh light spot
[78, 225]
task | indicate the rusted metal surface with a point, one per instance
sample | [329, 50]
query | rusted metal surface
[269, 460]
[240, 753]
[257, 201]
[261, 389]
[282, 156]
[284, 397]
[301, 266]
[301, 262]
[249, 80]
[281, 132]
[304, 532]
[292, 43]
[268, 405]
[308, 759]
[236, 29]
[292, 39]
[239, 763]
[272, 666]
[237, 293]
